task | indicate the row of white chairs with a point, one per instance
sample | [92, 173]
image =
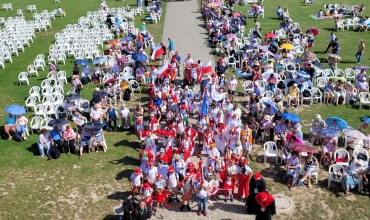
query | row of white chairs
[7, 7]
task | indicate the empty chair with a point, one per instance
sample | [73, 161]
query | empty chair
[23, 77]
[316, 95]
[46, 90]
[38, 64]
[45, 83]
[40, 110]
[35, 92]
[31, 69]
[335, 174]
[7, 56]
[62, 75]
[341, 157]
[58, 99]
[350, 74]
[52, 76]
[2, 62]
[364, 99]
[270, 150]
[35, 123]
[47, 99]
[57, 89]
[61, 58]
[31, 103]
[41, 59]
[50, 110]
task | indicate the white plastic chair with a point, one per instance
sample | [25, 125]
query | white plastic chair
[40, 110]
[30, 103]
[46, 90]
[45, 83]
[270, 150]
[23, 77]
[306, 98]
[339, 73]
[350, 74]
[50, 110]
[134, 85]
[316, 95]
[341, 153]
[52, 76]
[47, 99]
[321, 82]
[35, 123]
[81, 104]
[38, 64]
[248, 87]
[57, 89]
[2, 62]
[58, 99]
[359, 150]
[333, 170]
[35, 92]
[62, 75]
[31, 69]
[61, 58]
[232, 61]
[364, 99]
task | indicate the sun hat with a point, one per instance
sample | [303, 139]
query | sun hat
[97, 89]
[161, 150]
[318, 116]
[363, 78]
[257, 176]
[159, 176]
[137, 171]
[267, 117]
[295, 84]
[171, 169]
[146, 186]
[348, 82]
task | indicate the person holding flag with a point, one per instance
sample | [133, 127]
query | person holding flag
[158, 51]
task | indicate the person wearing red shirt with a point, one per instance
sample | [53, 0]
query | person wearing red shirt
[162, 156]
[192, 134]
[145, 155]
[185, 154]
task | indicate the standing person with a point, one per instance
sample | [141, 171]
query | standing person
[332, 39]
[10, 125]
[257, 184]
[69, 136]
[360, 51]
[335, 47]
[112, 117]
[267, 208]
[125, 116]
[201, 188]
[170, 48]
[232, 84]
[244, 175]
[142, 213]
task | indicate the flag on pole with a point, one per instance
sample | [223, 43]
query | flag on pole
[204, 107]
[163, 68]
[204, 70]
[158, 51]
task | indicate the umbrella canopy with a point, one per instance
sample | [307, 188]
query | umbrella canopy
[303, 74]
[272, 35]
[265, 76]
[299, 141]
[126, 38]
[336, 78]
[314, 31]
[139, 57]
[213, 4]
[365, 119]
[58, 122]
[287, 46]
[93, 125]
[99, 60]
[113, 42]
[341, 124]
[122, 60]
[361, 68]
[138, 45]
[82, 62]
[272, 106]
[110, 15]
[127, 77]
[328, 132]
[305, 148]
[318, 64]
[111, 80]
[355, 133]
[237, 14]
[266, 50]
[15, 110]
[158, 4]
[73, 97]
[335, 56]
[291, 117]
[231, 36]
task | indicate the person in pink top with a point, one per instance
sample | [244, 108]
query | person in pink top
[69, 136]
[272, 81]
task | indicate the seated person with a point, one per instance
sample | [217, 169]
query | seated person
[280, 131]
[299, 81]
[329, 145]
[338, 92]
[98, 140]
[70, 106]
[317, 124]
[311, 166]
[10, 125]
[272, 82]
[268, 110]
[21, 126]
[293, 94]
[289, 148]
[329, 91]
[279, 97]
[352, 174]
[97, 74]
[362, 85]
[293, 171]
[140, 73]
[252, 106]
[79, 121]
[350, 93]
[265, 125]
[85, 141]
[353, 143]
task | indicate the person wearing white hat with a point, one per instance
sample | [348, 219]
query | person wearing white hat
[362, 85]
[353, 172]
[293, 94]
[317, 124]
[350, 93]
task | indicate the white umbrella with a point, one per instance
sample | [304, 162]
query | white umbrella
[265, 76]
[355, 134]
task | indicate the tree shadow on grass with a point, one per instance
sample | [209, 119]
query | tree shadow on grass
[126, 161]
[127, 143]
[124, 174]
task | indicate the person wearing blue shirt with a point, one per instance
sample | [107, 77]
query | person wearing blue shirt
[170, 47]
[279, 12]
[86, 72]
[56, 138]
[157, 101]
[335, 49]
[9, 125]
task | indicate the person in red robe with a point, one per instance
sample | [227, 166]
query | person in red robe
[267, 207]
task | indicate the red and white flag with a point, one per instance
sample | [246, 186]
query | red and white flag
[163, 68]
[158, 51]
[207, 68]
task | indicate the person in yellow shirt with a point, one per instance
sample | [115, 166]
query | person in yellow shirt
[125, 87]
[293, 94]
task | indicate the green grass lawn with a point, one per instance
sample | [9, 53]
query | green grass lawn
[69, 188]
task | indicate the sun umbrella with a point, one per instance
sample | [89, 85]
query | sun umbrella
[365, 119]
[272, 35]
[58, 122]
[213, 4]
[158, 4]
[255, 6]
[231, 36]
[81, 62]
[287, 46]
[138, 45]
[299, 141]
[237, 14]
[355, 133]
[113, 42]
[127, 77]
[266, 50]
[269, 60]
[15, 109]
[336, 78]
[73, 97]
[341, 124]
[291, 117]
[314, 31]
[99, 60]
[272, 106]
[110, 15]
[305, 148]
[126, 38]
[267, 75]
[318, 64]
[303, 74]
[335, 56]
[328, 132]
[111, 80]
[139, 57]
[122, 60]
[93, 125]
[361, 68]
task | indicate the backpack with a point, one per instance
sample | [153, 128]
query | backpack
[84, 80]
[126, 95]
[85, 105]
[340, 100]
[306, 93]
[281, 85]
[17, 136]
[55, 153]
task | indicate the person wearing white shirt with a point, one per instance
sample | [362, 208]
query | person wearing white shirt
[124, 112]
[172, 181]
[232, 84]
[188, 61]
[96, 114]
[151, 173]
[162, 169]
[136, 180]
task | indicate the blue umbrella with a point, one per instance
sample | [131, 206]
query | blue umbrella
[15, 110]
[139, 57]
[272, 107]
[99, 60]
[327, 132]
[204, 108]
[341, 124]
[365, 119]
[126, 38]
[93, 125]
[361, 68]
[82, 62]
[158, 4]
[291, 117]
[58, 122]
[303, 74]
